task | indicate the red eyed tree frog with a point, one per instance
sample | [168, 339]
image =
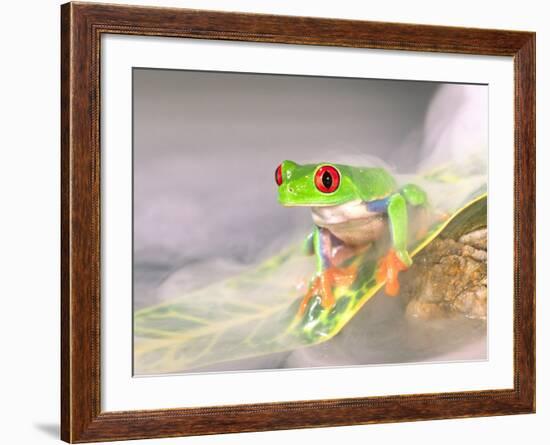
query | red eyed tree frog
[350, 208]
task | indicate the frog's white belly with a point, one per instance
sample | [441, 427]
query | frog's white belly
[351, 222]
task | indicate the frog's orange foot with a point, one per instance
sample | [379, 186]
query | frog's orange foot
[388, 270]
[322, 285]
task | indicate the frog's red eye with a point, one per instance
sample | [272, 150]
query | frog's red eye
[279, 175]
[327, 179]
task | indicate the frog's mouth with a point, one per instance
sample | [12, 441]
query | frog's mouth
[305, 204]
[296, 197]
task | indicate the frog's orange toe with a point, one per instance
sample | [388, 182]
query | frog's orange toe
[388, 271]
[342, 276]
[381, 272]
[322, 285]
[313, 290]
[392, 287]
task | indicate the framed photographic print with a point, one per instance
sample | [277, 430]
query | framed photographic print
[276, 222]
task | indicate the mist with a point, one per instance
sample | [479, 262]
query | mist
[206, 146]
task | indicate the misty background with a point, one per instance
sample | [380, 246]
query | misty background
[206, 145]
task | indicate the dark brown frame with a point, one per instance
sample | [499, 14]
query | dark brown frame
[81, 28]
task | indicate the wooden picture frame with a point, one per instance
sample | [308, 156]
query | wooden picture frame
[82, 25]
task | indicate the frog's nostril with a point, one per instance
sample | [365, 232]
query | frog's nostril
[291, 190]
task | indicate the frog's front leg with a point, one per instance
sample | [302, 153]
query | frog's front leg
[327, 274]
[397, 259]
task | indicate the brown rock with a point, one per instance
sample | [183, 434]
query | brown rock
[449, 278]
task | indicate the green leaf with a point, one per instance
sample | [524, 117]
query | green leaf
[241, 317]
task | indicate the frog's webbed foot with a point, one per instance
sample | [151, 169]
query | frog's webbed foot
[388, 270]
[323, 286]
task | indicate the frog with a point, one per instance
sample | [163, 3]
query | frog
[352, 207]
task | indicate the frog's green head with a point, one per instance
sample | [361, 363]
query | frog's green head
[321, 184]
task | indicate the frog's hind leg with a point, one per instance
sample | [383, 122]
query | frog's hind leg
[422, 211]
[414, 195]
[327, 275]
[308, 247]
